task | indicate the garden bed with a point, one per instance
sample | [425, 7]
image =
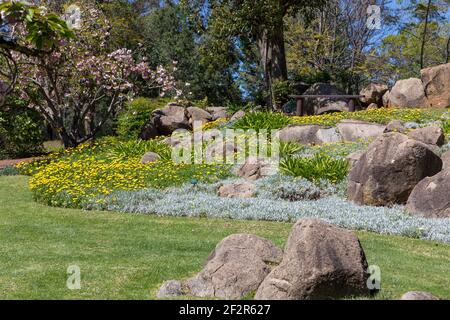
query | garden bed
[108, 175]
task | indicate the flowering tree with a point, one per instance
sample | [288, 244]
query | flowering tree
[80, 84]
[40, 32]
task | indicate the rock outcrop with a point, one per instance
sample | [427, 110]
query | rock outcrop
[356, 130]
[431, 196]
[408, 93]
[373, 93]
[237, 190]
[436, 81]
[323, 105]
[309, 134]
[320, 262]
[418, 295]
[150, 157]
[431, 135]
[236, 267]
[389, 169]
[255, 168]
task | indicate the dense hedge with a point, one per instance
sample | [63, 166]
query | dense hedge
[21, 133]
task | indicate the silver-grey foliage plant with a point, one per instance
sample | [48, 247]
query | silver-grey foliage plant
[202, 201]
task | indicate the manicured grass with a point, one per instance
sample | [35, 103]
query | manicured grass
[124, 256]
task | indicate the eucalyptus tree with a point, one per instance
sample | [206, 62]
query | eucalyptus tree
[246, 22]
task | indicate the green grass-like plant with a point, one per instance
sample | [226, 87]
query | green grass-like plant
[316, 168]
[262, 120]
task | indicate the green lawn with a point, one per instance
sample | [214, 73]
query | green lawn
[125, 256]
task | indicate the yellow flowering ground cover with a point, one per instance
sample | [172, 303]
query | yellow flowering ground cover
[88, 172]
[94, 170]
[381, 115]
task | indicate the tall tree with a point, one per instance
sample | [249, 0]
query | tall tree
[244, 21]
[78, 86]
[335, 44]
[27, 30]
[404, 53]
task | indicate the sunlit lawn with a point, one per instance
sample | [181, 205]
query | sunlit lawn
[124, 256]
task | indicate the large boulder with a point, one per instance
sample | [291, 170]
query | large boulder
[373, 93]
[431, 196]
[386, 99]
[150, 157]
[436, 81]
[356, 130]
[389, 169]
[218, 112]
[221, 151]
[432, 135]
[255, 168]
[197, 114]
[354, 157]
[236, 267]
[237, 190]
[309, 134]
[149, 131]
[171, 118]
[238, 115]
[446, 160]
[321, 261]
[408, 93]
[324, 105]
[395, 126]
[418, 295]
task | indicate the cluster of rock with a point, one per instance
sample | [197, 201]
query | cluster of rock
[252, 169]
[174, 117]
[320, 261]
[403, 169]
[347, 130]
[431, 90]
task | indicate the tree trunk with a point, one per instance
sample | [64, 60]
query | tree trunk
[422, 49]
[448, 51]
[273, 58]
[66, 139]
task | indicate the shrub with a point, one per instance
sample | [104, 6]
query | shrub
[316, 168]
[281, 91]
[446, 127]
[262, 120]
[21, 134]
[232, 108]
[9, 171]
[186, 200]
[135, 114]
